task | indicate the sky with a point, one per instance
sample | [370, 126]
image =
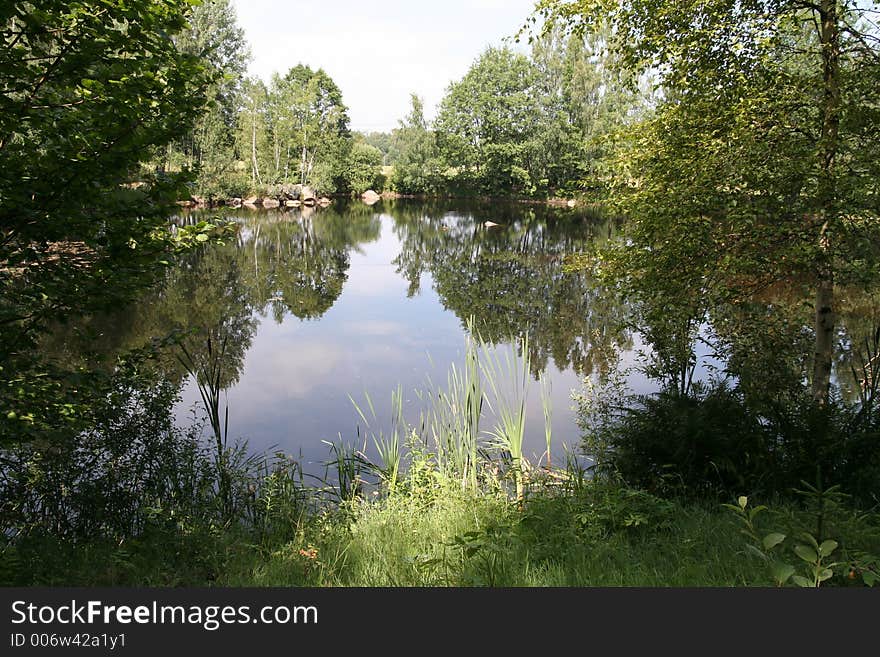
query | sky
[379, 53]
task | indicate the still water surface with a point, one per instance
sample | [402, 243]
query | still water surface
[354, 300]
[307, 310]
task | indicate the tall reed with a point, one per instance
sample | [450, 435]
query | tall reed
[387, 445]
[453, 419]
[547, 407]
[208, 379]
[507, 377]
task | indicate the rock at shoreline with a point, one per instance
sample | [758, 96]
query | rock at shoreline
[252, 201]
[324, 201]
[370, 197]
[292, 203]
[271, 203]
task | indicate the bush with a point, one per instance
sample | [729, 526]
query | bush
[706, 442]
[106, 499]
[229, 184]
[711, 441]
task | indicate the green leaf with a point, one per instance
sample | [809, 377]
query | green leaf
[806, 553]
[803, 582]
[772, 540]
[751, 548]
[201, 237]
[755, 511]
[825, 574]
[781, 572]
[827, 548]
[812, 541]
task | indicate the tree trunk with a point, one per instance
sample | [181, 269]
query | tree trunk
[303, 175]
[829, 38]
[255, 169]
[824, 344]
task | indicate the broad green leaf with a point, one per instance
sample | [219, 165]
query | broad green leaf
[806, 553]
[809, 539]
[803, 582]
[772, 540]
[752, 549]
[827, 548]
[781, 572]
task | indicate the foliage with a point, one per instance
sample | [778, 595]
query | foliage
[386, 142]
[486, 122]
[308, 124]
[126, 485]
[88, 88]
[700, 443]
[714, 440]
[758, 165]
[214, 37]
[363, 168]
[812, 554]
[418, 168]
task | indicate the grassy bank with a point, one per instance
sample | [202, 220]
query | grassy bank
[432, 532]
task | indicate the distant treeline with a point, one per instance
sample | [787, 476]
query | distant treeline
[516, 125]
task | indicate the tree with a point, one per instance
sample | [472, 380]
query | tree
[363, 168]
[486, 122]
[88, 88]
[253, 139]
[310, 130]
[761, 160]
[216, 39]
[385, 142]
[585, 100]
[418, 168]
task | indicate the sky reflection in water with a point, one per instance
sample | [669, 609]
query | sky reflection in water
[293, 389]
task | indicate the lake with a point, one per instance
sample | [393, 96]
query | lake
[344, 304]
[311, 314]
[311, 311]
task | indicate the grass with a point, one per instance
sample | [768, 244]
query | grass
[431, 531]
[447, 536]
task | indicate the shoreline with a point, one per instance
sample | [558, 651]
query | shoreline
[278, 202]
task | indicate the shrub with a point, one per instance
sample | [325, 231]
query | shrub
[703, 442]
[712, 441]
